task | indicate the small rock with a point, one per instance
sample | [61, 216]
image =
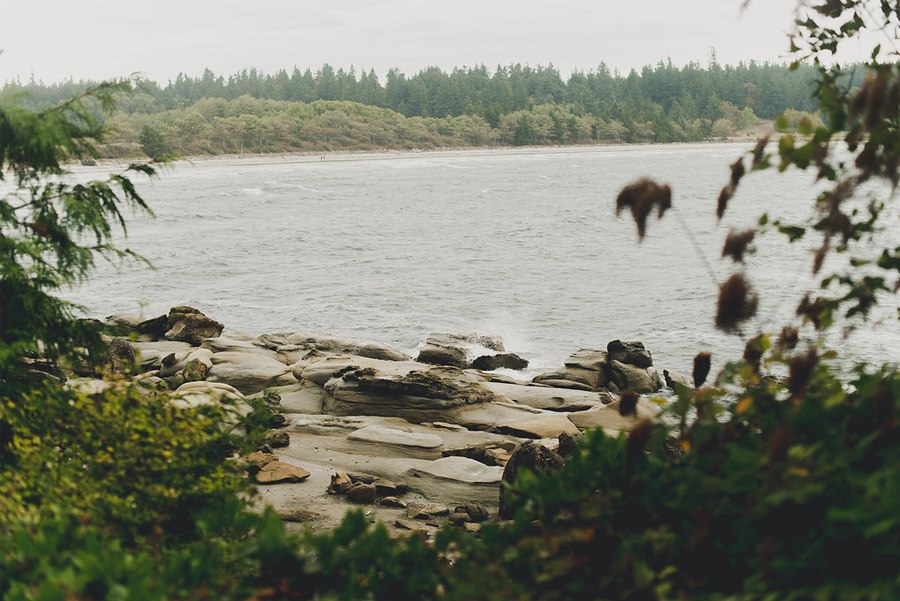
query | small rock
[393, 502]
[499, 361]
[121, 355]
[631, 353]
[476, 512]
[472, 528]
[532, 457]
[459, 518]
[195, 370]
[361, 493]
[364, 478]
[278, 471]
[189, 325]
[545, 426]
[259, 459]
[340, 483]
[387, 488]
[436, 510]
[417, 512]
[408, 525]
[155, 327]
[498, 456]
[568, 444]
[382, 435]
[278, 439]
[636, 379]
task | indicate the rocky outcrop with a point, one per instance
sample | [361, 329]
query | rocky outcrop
[188, 324]
[459, 469]
[532, 457]
[549, 398]
[382, 435]
[441, 429]
[632, 353]
[633, 378]
[584, 370]
[456, 350]
[370, 350]
[545, 426]
[249, 372]
[418, 395]
[610, 419]
[499, 361]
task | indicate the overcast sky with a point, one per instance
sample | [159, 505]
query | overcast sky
[97, 39]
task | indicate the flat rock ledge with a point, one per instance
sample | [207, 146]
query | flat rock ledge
[366, 424]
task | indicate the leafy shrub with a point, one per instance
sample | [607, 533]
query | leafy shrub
[778, 495]
[126, 456]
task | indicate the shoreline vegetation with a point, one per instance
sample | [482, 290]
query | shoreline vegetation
[336, 110]
[311, 156]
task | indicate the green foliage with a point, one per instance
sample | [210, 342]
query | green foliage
[126, 455]
[152, 142]
[254, 112]
[760, 487]
[860, 120]
[789, 495]
[52, 229]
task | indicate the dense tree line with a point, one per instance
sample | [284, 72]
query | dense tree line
[258, 112]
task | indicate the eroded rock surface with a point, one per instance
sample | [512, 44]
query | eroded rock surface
[365, 424]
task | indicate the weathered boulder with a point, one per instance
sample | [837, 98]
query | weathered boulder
[586, 369]
[190, 325]
[488, 453]
[549, 398]
[370, 350]
[290, 354]
[155, 326]
[329, 367]
[416, 396]
[236, 343]
[456, 350]
[392, 436]
[632, 353]
[474, 511]
[568, 445]
[459, 469]
[532, 457]
[361, 493]
[610, 419]
[121, 356]
[275, 472]
[633, 378]
[302, 397]
[545, 426]
[393, 502]
[249, 372]
[195, 394]
[499, 361]
[278, 439]
[125, 322]
[200, 360]
[151, 354]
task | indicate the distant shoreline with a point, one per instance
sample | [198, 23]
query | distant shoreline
[388, 153]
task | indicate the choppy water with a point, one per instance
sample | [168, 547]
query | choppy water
[525, 245]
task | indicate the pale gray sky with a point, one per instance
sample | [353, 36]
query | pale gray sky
[97, 39]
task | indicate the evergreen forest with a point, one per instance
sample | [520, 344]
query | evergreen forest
[516, 105]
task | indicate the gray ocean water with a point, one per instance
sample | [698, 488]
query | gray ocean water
[525, 245]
